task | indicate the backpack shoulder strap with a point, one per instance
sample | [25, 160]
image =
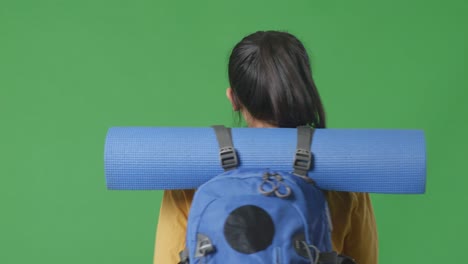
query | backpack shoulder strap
[227, 153]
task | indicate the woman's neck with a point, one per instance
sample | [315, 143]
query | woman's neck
[259, 124]
[253, 122]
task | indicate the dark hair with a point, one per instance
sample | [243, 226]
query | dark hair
[270, 75]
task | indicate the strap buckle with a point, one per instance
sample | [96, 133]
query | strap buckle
[204, 246]
[302, 160]
[228, 158]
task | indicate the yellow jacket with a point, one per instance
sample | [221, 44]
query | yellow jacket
[354, 229]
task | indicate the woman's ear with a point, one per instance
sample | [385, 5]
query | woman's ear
[231, 97]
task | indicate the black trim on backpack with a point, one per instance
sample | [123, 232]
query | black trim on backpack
[334, 258]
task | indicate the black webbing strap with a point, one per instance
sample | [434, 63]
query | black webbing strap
[227, 153]
[184, 257]
[345, 260]
[303, 160]
[334, 258]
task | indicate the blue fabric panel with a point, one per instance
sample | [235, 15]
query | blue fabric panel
[358, 160]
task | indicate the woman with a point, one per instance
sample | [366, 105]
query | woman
[272, 86]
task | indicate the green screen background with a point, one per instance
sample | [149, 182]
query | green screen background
[69, 70]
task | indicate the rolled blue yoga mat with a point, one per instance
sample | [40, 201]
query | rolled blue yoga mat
[356, 160]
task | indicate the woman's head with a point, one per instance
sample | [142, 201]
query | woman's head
[271, 81]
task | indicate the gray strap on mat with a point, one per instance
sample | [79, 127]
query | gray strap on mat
[303, 160]
[227, 153]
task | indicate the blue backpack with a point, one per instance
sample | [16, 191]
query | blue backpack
[260, 216]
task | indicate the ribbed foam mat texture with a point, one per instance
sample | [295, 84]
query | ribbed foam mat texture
[356, 160]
